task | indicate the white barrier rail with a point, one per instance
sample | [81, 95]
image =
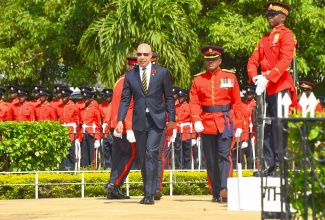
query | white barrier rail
[83, 183]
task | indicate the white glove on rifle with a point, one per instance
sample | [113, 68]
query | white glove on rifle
[119, 135]
[97, 144]
[238, 132]
[260, 82]
[130, 136]
[173, 137]
[244, 145]
[193, 142]
[260, 89]
[198, 126]
[77, 143]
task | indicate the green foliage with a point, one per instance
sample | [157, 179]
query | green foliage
[313, 146]
[112, 37]
[28, 146]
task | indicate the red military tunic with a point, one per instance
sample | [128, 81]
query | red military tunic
[68, 113]
[24, 112]
[183, 121]
[90, 115]
[81, 103]
[105, 114]
[11, 102]
[248, 107]
[4, 111]
[215, 89]
[44, 112]
[55, 102]
[117, 93]
[282, 45]
[35, 102]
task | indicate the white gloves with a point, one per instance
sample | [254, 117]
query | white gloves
[119, 135]
[244, 145]
[198, 126]
[173, 137]
[193, 142]
[130, 136]
[238, 132]
[260, 82]
[77, 143]
[97, 144]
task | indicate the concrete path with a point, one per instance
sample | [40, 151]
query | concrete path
[169, 207]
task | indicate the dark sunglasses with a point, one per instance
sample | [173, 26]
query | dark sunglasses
[144, 54]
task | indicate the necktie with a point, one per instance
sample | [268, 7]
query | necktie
[144, 80]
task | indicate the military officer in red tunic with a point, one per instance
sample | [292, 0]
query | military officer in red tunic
[4, 107]
[23, 110]
[216, 111]
[306, 87]
[36, 89]
[68, 114]
[43, 109]
[124, 150]
[273, 54]
[185, 132]
[58, 99]
[106, 114]
[13, 95]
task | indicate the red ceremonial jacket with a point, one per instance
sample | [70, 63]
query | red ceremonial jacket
[44, 112]
[216, 89]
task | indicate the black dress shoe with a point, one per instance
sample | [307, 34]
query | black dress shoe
[112, 196]
[158, 195]
[148, 200]
[142, 200]
[111, 188]
[265, 172]
[121, 195]
[217, 198]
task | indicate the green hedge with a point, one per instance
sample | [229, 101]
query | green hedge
[28, 146]
[68, 185]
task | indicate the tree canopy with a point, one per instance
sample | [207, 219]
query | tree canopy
[86, 41]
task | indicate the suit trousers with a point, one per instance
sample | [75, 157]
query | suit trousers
[216, 150]
[271, 131]
[147, 143]
[87, 150]
[161, 161]
[122, 159]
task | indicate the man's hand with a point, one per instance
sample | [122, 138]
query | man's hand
[130, 136]
[119, 127]
[198, 126]
[119, 135]
[169, 125]
[260, 80]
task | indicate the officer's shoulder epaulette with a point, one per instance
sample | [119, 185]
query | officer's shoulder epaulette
[199, 74]
[228, 71]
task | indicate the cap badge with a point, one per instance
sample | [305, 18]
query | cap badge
[210, 50]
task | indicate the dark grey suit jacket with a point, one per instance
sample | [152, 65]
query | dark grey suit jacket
[159, 98]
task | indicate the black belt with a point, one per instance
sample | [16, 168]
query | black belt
[218, 108]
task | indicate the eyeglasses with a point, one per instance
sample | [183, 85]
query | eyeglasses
[144, 54]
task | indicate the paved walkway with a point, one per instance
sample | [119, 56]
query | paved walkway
[169, 207]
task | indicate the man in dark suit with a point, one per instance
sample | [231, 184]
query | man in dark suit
[151, 88]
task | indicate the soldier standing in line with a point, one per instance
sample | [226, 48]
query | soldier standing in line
[4, 107]
[13, 95]
[216, 111]
[36, 89]
[23, 110]
[106, 114]
[58, 98]
[43, 109]
[90, 129]
[274, 54]
[68, 113]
